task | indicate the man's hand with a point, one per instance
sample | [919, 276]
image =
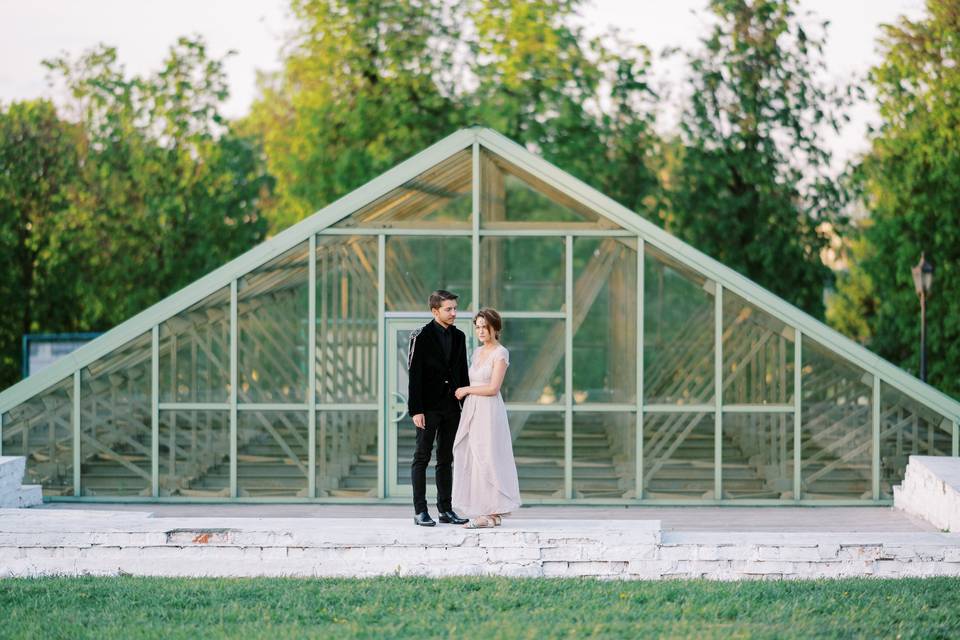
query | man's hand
[420, 421]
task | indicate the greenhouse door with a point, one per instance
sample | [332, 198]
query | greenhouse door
[401, 434]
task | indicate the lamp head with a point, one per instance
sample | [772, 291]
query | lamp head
[923, 276]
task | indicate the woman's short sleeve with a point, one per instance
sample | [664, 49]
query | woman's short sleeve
[503, 354]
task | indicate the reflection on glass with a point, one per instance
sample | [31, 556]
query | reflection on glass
[272, 312]
[512, 198]
[416, 266]
[522, 274]
[758, 353]
[678, 333]
[605, 320]
[604, 455]
[347, 459]
[347, 319]
[194, 453]
[439, 197]
[908, 428]
[536, 360]
[678, 456]
[538, 448]
[836, 426]
[272, 454]
[757, 456]
[195, 352]
[40, 430]
[115, 423]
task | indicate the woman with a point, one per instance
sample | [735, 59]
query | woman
[485, 482]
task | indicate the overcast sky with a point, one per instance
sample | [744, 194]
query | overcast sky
[142, 31]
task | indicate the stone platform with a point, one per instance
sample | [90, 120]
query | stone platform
[54, 541]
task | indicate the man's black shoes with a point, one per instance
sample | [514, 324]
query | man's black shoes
[450, 517]
[423, 519]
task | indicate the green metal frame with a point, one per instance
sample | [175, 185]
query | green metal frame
[631, 226]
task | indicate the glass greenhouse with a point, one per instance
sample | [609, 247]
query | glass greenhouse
[642, 370]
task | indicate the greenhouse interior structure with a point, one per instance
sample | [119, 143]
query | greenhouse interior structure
[642, 371]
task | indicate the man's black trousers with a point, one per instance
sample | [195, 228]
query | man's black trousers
[442, 427]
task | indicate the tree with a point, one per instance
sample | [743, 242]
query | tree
[583, 104]
[367, 83]
[910, 186]
[752, 187]
[361, 89]
[39, 161]
[169, 190]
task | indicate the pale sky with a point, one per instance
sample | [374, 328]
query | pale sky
[142, 31]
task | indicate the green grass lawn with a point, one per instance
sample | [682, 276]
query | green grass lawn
[475, 608]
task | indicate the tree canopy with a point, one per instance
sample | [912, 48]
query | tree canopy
[910, 188]
[753, 185]
[139, 189]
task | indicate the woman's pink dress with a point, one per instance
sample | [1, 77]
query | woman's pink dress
[484, 471]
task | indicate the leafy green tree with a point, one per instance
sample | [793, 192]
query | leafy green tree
[584, 105]
[362, 88]
[367, 83]
[753, 185]
[911, 188]
[169, 190]
[39, 162]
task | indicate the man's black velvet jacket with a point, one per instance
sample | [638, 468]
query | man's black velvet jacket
[433, 378]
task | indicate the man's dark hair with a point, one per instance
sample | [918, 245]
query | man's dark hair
[438, 297]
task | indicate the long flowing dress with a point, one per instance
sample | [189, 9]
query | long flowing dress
[484, 471]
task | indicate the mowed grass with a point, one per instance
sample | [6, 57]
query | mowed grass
[129, 607]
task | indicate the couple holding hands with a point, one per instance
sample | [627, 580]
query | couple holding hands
[458, 405]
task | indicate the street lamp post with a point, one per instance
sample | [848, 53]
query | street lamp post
[922, 282]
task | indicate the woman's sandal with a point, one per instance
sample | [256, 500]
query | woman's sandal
[483, 522]
[497, 520]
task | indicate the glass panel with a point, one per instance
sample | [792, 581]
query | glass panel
[195, 453]
[678, 456]
[397, 415]
[678, 333]
[512, 198]
[115, 424]
[835, 429]
[347, 319]
[347, 459]
[907, 428]
[195, 352]
[522, 274]
[757, 355]
[272, 313]
[272, 453]
[536, 360]
[417, 266]
[605, 320]
[538, 451]
[439, 197]
[40, 429]
[757, 456]
[604, 455]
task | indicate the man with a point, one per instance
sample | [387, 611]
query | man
[437, 362]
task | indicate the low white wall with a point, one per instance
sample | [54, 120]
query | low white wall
[57, 542]
[931, 490]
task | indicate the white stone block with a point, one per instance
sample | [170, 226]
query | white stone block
[931, 490]
[555, 569]
[510, 554]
